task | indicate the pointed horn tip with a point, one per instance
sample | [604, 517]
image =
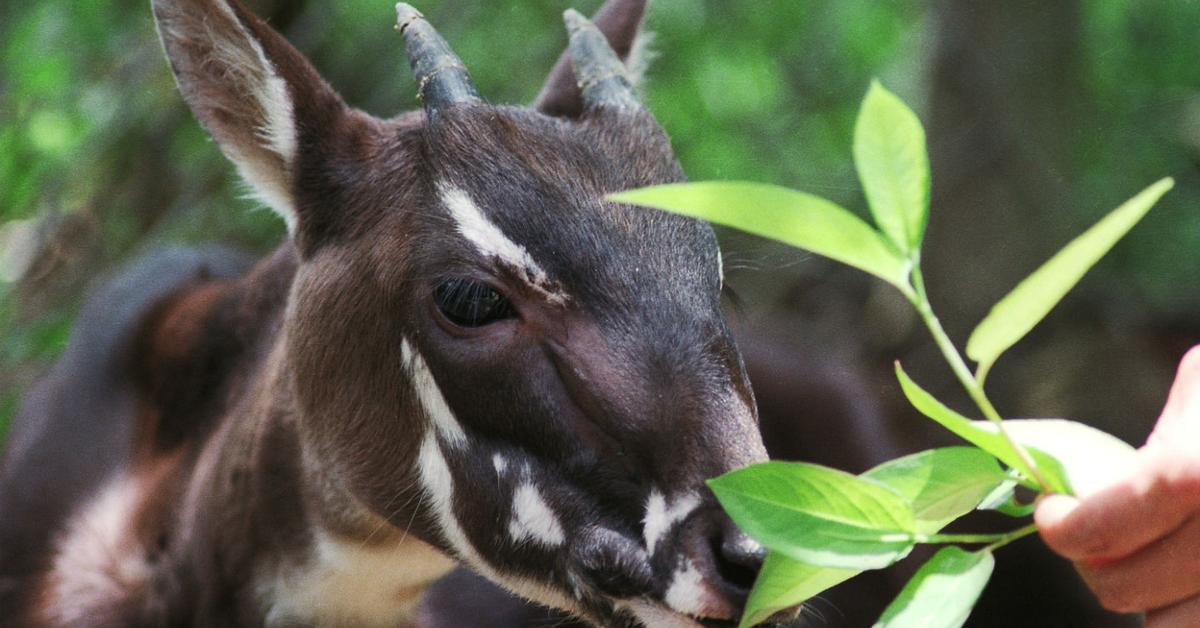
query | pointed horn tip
[575, 21]
[405, 14]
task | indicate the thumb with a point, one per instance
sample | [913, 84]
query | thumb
[1182, 411]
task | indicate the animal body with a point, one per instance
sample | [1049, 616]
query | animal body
[462, 353]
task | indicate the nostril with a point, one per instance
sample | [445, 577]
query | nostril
[738, 558]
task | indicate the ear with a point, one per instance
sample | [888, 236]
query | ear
[256, 95]
[620, 21]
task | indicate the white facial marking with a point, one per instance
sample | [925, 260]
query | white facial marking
[652, 616]
[347, 583]
[660, 518]
[97, 564]
[500, 463]
[490, 241]
[431, 397]
[533, 519]
[438, 484]
[278, 129]
[686, 593]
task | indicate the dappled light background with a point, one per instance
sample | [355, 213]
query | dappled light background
[1041, 117]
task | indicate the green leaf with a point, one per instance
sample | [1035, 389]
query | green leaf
[942, 592]
[818, 515]
[986, 438]
[783, 583]
[1004, 500]
[893, 166]
[1032, 299]
[1090, 459]
[795, 218]
[941, 484]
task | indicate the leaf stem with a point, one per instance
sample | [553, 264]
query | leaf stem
[1019, 533]
[920, 301]
[994, 541]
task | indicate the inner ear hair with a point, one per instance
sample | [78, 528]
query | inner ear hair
[253, 92]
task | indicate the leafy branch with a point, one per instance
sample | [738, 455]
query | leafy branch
[823, 526]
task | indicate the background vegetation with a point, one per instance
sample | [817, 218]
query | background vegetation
[1041, 117]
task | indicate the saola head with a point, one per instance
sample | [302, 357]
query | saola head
[480, 349]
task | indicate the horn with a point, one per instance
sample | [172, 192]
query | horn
[600, 74]
[442, 79]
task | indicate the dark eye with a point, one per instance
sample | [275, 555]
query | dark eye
[469, 303]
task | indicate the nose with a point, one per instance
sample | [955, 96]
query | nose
[725, 563]
[739, 557]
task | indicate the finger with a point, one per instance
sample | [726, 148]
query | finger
[1183, 402]
[1185, 614]
[1164, 573]
[1118, 520]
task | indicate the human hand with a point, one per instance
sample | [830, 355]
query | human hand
[1136, 542]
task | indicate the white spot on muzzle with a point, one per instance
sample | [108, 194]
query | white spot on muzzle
[500, 463]
[438, 484]
[491, 242]
[660, 517]
[533, 519]
[432, 401]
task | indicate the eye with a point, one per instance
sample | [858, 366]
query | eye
[469, 303]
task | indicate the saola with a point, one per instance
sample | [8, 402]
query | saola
[462, 352]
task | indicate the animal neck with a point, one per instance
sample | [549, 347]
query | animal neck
[225, 497]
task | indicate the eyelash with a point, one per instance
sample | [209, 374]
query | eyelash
[469, 303]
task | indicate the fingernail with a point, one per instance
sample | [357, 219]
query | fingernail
[1052, 509]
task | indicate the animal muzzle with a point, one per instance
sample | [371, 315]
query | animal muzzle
[708, 565]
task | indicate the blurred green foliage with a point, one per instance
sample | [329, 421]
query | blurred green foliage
[93, 134]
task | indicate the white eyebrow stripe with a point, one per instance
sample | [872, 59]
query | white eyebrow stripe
[490, 241]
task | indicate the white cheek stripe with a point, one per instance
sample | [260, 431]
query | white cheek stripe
[490, 241]
[431, 397]
[660, 518]
[533, 519]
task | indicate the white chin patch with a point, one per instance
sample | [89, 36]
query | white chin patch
[686, 593]
[653, 616]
